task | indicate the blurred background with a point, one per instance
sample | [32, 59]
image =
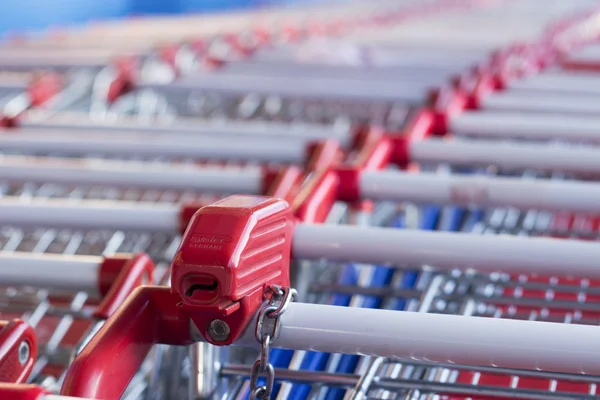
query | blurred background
[39, 15]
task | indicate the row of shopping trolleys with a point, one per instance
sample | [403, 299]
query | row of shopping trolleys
[48, 207]
[55, 215]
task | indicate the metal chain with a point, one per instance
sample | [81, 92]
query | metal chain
[266, 332]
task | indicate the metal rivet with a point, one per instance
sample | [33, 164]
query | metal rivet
[219, 330]
[23, 352]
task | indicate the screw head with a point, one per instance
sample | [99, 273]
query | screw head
[24, 352]
[218, 330]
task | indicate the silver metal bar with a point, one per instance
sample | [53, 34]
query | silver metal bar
[480, 191]
[446, 250]
[507, 155]
[142, 175]
[100, 214]
[296, 87]
[505, 125]
[250, 149]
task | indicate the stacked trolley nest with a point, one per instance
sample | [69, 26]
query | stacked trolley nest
[391, 186]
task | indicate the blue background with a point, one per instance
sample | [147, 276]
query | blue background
[19, 16]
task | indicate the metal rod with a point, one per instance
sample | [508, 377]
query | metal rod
[505, 125]
[555, 83]
[374, 73]
[129, 174]
[352, 55]
[67, 121]
[507, 155]
[52, 271]
[531, 101]
[349, 380]
[26, 59]
[295, 375]
[89, 214]
[482, 191]
[250, 149]
[296, 87]
[447, 250]
[416, 336]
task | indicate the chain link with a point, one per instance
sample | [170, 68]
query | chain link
[266, 332]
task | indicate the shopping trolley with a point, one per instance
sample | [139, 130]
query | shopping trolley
[64, 298]
[416, 294]
[553, 104]
[23, 90]
[288, 81]
[186, 56]
[95, 77]
[165, 195]
[220, 304]
[22, 241]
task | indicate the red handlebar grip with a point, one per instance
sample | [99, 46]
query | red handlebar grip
[323, 154]
[44, 88]
[18, 351]
[282, 183]
[419, 128]
[314, 202]
[126, 71]
[230, 252]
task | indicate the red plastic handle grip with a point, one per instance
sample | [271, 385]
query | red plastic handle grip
[18, 351]
[43, 88]
[126, 68]
[323, 154]
[230, 252]
[282, 183]
[315, 200]
[419, 128]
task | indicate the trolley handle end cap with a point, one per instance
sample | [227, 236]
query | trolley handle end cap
[446, 102]
[44, 87]
[18, 351]
[515, 65]
[316, 197]
[322, 154]
[118, 276]
[477, 86]
[126, 68]
[231, 251]
[291, 32]
[168, 53]
[372, 149]
[211, 62]
[262, 34]
[199, 46]
[281, 183]
[418, 128]
[242, 47]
